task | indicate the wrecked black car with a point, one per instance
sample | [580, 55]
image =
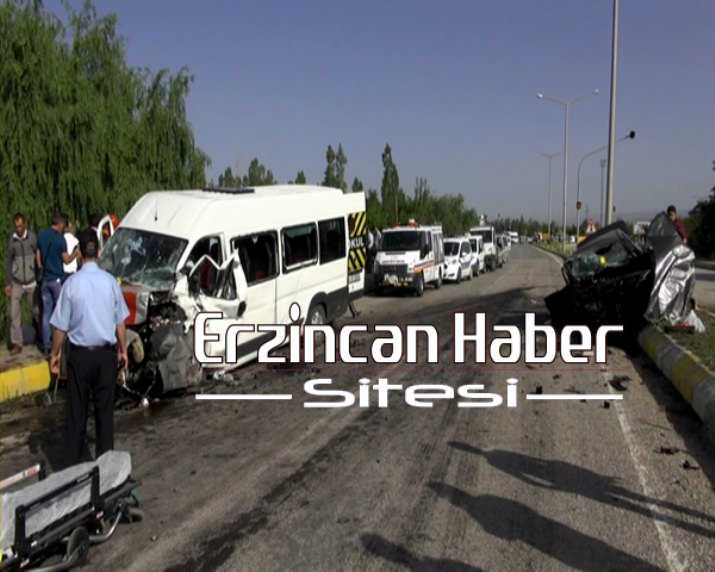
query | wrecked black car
[612, 280]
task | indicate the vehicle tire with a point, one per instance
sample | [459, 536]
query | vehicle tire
[471, 274]
[78, 543]
[419, 285]
[459, 276]
[316, 316]
[438, 282]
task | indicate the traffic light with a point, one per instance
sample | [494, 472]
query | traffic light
[578, 205]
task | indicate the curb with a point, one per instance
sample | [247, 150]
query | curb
[24, 380]
[554, 252]
[692, 379]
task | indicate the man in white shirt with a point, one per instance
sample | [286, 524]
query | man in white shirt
[72, 242]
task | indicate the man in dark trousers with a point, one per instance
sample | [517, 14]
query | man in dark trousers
[51, 256]
[91, 312]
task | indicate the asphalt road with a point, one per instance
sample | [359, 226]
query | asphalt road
[547, 485]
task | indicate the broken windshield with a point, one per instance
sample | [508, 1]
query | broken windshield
[142, 257]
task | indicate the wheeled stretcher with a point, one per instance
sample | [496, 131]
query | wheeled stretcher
[67, 511]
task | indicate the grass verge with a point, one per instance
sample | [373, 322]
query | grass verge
[702, 345]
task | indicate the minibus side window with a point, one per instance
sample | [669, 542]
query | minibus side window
[300, 246]
[258, 256]
[332, 239]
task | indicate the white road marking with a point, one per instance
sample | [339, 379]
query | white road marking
[667, 542]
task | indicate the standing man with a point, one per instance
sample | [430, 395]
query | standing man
[72, 243]
[20, 277]
[91, 312]
[51, 256]
[678, 222]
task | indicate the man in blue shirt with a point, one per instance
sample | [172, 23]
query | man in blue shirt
[51, 256]
[90, 312]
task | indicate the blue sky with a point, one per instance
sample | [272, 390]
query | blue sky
[451, 86]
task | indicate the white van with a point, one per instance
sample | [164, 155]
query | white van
[457, 259]
[478, 255]
[492, 255]
[410, 256]
[248, 253]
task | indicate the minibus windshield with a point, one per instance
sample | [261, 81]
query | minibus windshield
[142, 257]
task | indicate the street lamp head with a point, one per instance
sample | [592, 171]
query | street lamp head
[595, 92]
[632, 135]
[540, 95]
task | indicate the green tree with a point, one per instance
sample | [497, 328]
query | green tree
[300, 178]
[376, 216]
[258, 175]
[390, 187]
[330, 177]
[80, 130]
[700, 225]
[228, 180]
[335, 168]
[357, 186]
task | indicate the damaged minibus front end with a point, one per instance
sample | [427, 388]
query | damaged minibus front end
[163, 301]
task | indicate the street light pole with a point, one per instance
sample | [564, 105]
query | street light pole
[603, 167]
[567, 104]
[631, 135]
[549, 156]
[612, 124]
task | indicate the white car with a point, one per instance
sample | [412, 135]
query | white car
[457, 259]
[478, 258]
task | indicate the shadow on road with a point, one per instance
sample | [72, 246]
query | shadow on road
[565, 477]
[382, 548]
[512, 520]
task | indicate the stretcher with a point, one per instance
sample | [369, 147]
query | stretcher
[57, 518]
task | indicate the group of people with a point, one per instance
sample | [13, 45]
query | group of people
[83, 313]
[36, 268]
[38, 264]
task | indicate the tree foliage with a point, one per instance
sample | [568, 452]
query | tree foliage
[390, 187]
[80, 130]
[701, 226]
[228, 180]
[357, 186]
[258, 175]
[335, 168]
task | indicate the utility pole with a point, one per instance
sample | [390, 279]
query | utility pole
[612, 125]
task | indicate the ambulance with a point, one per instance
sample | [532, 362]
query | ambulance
[410, 256]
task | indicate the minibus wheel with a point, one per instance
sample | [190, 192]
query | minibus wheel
[419, 284]
[316, 316]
